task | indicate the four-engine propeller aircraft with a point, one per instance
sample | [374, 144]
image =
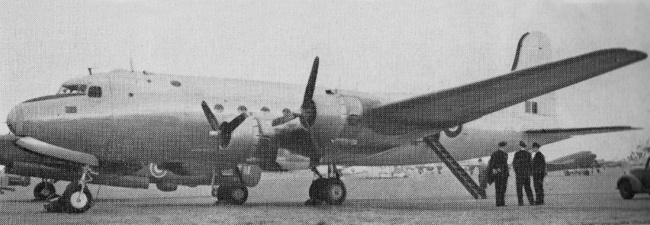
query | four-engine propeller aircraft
[108, 128]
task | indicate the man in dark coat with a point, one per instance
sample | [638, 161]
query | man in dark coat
[521, 165]
[498, 169]
[539, 172]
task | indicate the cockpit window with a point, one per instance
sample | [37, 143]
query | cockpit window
[95, 92]
[72, 89]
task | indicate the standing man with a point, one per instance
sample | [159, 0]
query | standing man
[498, 168]
[539, 172]
[521, 165]
[482, 176]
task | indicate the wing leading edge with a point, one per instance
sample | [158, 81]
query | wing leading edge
[462, 104]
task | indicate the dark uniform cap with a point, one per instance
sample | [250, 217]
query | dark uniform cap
[502, 144]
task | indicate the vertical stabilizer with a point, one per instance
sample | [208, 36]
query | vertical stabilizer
[533, 49]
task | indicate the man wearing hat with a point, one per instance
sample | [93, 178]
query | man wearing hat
[498, 169]
[521, 165]
[539, 172]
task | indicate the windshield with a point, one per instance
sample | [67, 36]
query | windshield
[72, 89]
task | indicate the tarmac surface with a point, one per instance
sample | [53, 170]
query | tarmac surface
[279, 199]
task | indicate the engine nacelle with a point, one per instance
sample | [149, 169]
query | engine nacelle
[339, 119]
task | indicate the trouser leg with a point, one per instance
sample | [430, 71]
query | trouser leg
[500, 191]
[539, 190]
[529, 192]
[519, 184]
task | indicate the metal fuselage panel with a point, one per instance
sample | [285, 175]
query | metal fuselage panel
[158, 118]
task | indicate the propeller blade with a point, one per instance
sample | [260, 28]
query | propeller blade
[311, 84]
[308, 108]
[212, 120]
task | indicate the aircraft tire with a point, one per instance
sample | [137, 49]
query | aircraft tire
[75, 200]
[333, 191]
[233, 194]
[625, 189]
[315, 189]
[44, 190]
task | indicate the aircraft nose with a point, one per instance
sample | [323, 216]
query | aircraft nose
[14, 120]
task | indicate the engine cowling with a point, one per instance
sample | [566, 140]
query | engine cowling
[339, 119]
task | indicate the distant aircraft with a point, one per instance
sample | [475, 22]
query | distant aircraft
[109, 128]
[579, 160]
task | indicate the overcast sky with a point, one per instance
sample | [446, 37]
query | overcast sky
[374, 46]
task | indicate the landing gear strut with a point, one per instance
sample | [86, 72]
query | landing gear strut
[76, 198]
[330, 189]
[44, 190]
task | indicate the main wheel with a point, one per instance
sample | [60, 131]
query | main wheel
[625, 189]
[43, 190]
[234, 194]
[315, 190]
[333, 191]
[76, 198]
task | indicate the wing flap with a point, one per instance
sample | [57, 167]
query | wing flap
[43, 148]
[459, 105]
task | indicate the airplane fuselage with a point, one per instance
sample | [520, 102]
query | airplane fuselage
[140, 118]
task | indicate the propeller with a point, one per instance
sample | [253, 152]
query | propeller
[308, 111]
[308, 107]
[212, 120]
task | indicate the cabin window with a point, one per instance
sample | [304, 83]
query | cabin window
[531, 107]
[175, 83]
[95, 92]
[72, 89]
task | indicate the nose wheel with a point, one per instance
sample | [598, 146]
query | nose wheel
[330, 190]
[76, 198]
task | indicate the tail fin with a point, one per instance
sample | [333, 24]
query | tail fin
[534, 48]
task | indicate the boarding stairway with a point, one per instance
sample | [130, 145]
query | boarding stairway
[455, 168]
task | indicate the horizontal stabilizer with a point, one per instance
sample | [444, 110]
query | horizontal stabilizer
[43, 148]
[581, 131]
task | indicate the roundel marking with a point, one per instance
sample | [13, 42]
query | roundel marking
[156, 172]
[454, 133]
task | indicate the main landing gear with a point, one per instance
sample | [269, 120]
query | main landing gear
[330, 189]
[233, 194]
[45, 190]
[229, 193]
[76, 198]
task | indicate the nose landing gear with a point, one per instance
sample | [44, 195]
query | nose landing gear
[330, 189]
[76, 198]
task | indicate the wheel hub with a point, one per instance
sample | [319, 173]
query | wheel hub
[237, 194]
[336, 191]
[78, 200]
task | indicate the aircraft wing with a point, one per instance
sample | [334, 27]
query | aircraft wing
[568, 132]
[451, 107]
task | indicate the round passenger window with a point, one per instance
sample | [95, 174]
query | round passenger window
[175, 83]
